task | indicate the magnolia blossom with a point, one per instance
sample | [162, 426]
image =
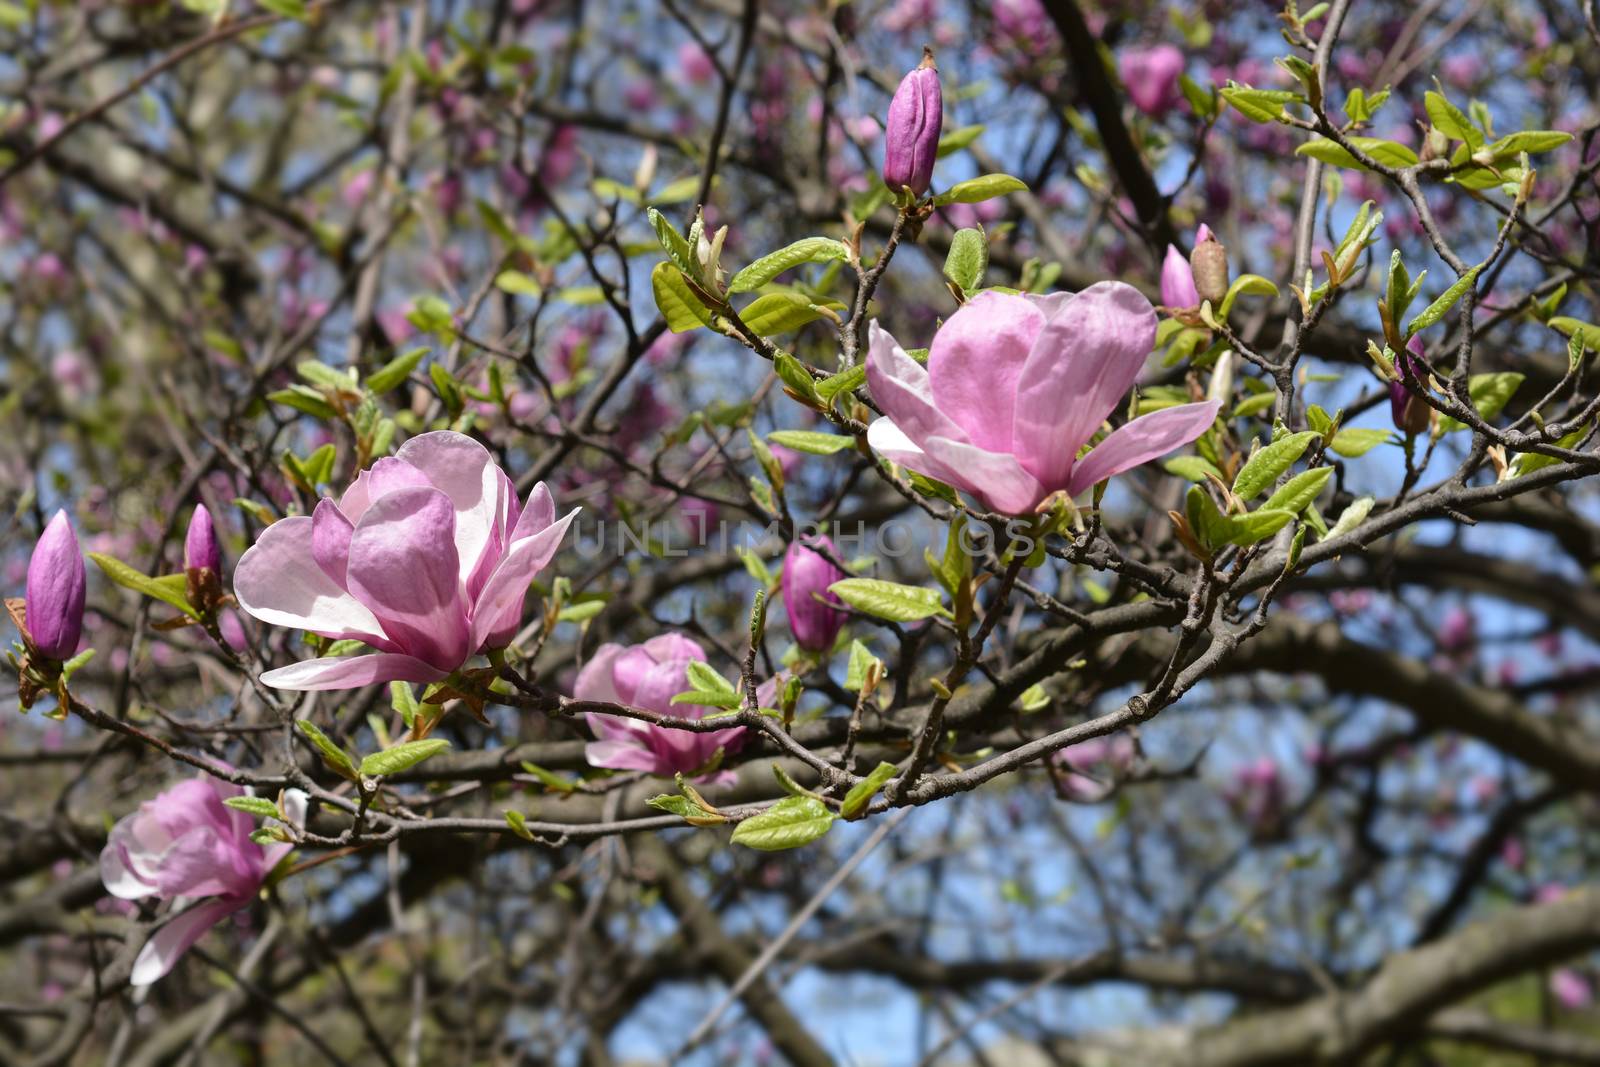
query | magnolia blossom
[1016, 386]
[1151, 75]
[427, 558]
[183, 846]
[648, 676]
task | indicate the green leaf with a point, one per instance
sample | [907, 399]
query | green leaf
[707, 698]
[1450, 120]
[795, 376]
[768, 267]
[1254, 405]
[1246, 530]
[676, 192]
[1271, 461]
[1447, 300]
[1299, 491]
[260, 807]
[957, 139]
[861, 661]
[1211, 528]
[845, 381]
[863, 791]
[305, 400]
[775, 313]
[967, 259]
[518, 824]
[1191, 468]
[338, 761]
[1358, 441]
[169, 590]
[404, 702]
[395, 372]
[448, 388]
[977, 190]
[405, 755]
[518, 284]
[1259, 105]
[888, 600]
[672, 243]
[702, 676]
[673, 804]
[790, 823]
[1490, 393]
[1034, 699]
[289, 9]
[1529, 141]
[549, 779]
[818, 444]
[1245, 284]
[1389, 153]
[1528, 462]
[1571, 327]
[1351, 517]
[1202, 100]
[676, 301]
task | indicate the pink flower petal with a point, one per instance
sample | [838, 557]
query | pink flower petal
[330, 540]
[975, 361]
[1086, 359]
[351, 672]
[621, 756]
[403, 566]
[278, 581]
[465, 472]
[996, 478]
[1142, 440]
[903, 390]
[594, 680]
[499, 609]
[170, 942]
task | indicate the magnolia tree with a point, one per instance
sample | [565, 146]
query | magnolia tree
[871, 531]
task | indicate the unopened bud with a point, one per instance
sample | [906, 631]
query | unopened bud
[1209, 262]
[911, 135]
[200, 551]
[54, 600]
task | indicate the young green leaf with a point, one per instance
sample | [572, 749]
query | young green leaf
[169, 589]
[790, 823]
[862, 791]
[977, 190]
[1447, 300]
[888, 600]
[678, 304]
[1299, 491]
[817, 444]
[1270, 462]
[768, 267]
[405, 755]
[260, 807]
[394, 372]
[337, 760]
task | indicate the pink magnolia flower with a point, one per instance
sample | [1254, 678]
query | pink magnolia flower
[1151, 76]
[648, 676]
[807, 574]
[427, 558]
[183, 846]
[1015, 386]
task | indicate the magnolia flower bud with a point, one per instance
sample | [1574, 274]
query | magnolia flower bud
[54, 611]
[1409, 411]
[911, 137]
[1209, 262]
[805, 573]
[1177, 281]
[200, 551]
